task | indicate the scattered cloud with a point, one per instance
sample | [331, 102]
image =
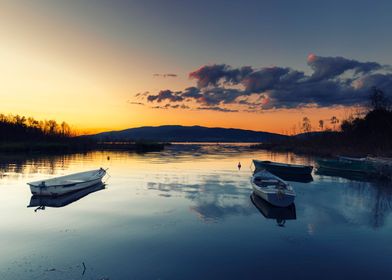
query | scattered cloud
[219, 109]
[211, 75]
[140, 95]
[165, 95]
[135, 103]
[330, 67]
[170, 106]
[167, 75]
[334, 81]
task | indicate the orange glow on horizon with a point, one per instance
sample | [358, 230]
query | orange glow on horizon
[281, 121]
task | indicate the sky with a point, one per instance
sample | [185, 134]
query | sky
[262, 65]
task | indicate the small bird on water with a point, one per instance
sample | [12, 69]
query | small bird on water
[239, 165]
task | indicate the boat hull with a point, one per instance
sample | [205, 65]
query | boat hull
[64, 200]
[276, 199]
[67, 184]
[272, 189]
[347, 165]
[62, 189]
[283, 169]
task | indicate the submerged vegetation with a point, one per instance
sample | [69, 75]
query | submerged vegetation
[369, 134]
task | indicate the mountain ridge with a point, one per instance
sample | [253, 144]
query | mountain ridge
[179, 133]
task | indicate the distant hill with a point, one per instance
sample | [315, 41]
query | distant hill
[177, 133]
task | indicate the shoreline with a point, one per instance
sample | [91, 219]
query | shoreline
[322, 151]
[75, 147]
[294, 146]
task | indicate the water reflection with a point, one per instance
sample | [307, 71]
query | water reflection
[290, 177]
[367, 203]
[296, 178]
[189, 209]
[41, 202]
[20, 165]
[213, 199]
[280, 214]
[342, 174]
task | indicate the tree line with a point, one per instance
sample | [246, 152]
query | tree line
[379, 104]
[20, 128]
[306, 125]
[361, 134]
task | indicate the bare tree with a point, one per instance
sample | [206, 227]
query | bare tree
[321, 124]
[306, 125]
[65, 129]
[334, 121]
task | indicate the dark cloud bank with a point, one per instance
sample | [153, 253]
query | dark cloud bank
[334, 81]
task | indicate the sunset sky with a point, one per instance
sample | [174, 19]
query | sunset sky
[261, 65]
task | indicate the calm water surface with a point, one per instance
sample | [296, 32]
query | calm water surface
[186, 213]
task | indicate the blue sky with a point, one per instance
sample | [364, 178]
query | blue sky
[258, 33]
[107, 51]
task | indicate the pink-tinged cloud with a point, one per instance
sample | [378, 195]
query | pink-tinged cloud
[311, 57]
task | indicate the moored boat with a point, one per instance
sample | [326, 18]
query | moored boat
[281, 169]
[66, 184]
[272, 189]
[348, 164]
[63, 200]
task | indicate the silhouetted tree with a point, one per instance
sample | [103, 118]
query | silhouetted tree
[306, 125]
[334, 121]
[20, 128]
[321, 124]
[378, 100]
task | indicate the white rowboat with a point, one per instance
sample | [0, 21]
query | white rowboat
[272, 189]
[66, 184]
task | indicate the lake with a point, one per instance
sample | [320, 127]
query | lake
[186, 213]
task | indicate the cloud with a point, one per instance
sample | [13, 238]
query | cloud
[334, 81]
[330, 67]
[135, 103]
[210, 75]
[167, 75]
[170, 106]
[219, 109]
[165, 95]
[142, 95]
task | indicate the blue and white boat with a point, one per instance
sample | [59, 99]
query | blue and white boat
[272, 189]
[67, 184]
[63, 200]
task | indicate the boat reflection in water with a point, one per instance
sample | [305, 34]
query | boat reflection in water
[300, 178]
[349, 175]
[280, 214]
[295, 178]
[60, 201]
